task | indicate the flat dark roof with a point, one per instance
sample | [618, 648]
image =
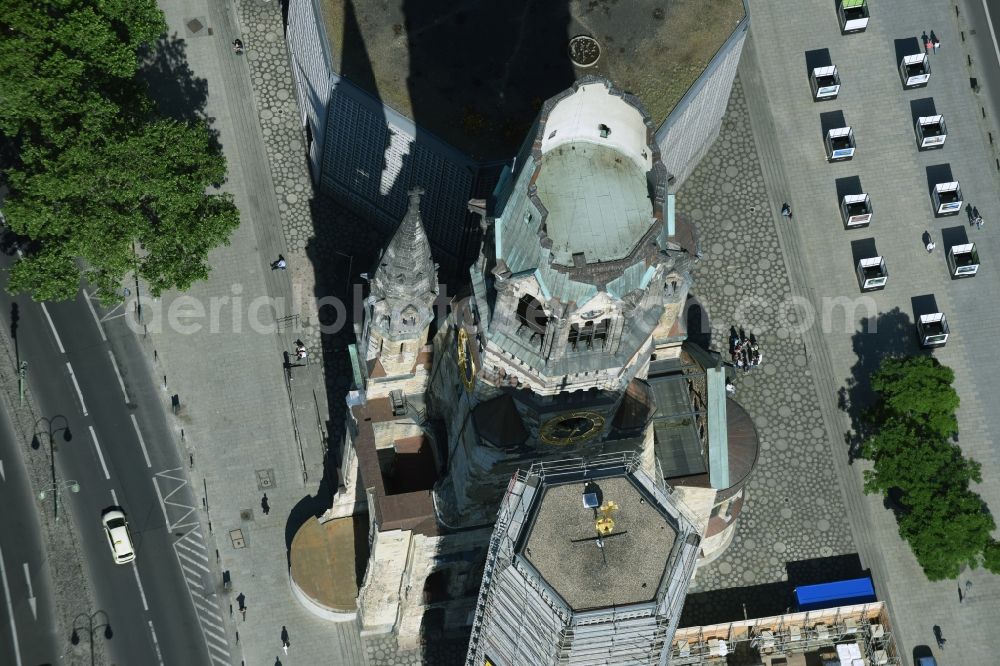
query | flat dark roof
[476, 73]
[560, 547]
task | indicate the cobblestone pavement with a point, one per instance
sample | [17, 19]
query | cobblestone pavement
[845, 349]
[794, 510]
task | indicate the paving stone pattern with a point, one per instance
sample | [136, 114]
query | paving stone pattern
[327, 247]
[819, 249]
[794, 509]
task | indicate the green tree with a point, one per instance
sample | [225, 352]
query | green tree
[912, 425]
[918, 388]
[69, 65]
[94, 201]
[991, 556]
[948, 533]
[922, 466]
[99, 183]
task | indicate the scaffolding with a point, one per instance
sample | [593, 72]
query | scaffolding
[520, 618]
[787, 639]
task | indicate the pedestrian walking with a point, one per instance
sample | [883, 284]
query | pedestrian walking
[300, 350]
[265, 506]
[279, 264]
[930, 246]
[926, 41]
[977, 219]
[935, 41]
[786, 210]
[284, 640]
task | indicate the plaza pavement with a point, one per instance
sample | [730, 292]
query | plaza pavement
[236, 414]
[794, 518]
[817, 249]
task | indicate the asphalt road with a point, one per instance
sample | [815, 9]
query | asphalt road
[91, 381]
[28, 627]
[983, 41]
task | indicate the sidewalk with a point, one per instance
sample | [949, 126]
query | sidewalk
[236, 406]
[818, 251]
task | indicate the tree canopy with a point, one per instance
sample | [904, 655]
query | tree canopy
[99, 182]
[911, 446]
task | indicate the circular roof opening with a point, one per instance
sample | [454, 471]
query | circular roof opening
[584, 51]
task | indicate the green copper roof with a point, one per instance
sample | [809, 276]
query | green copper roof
[597, 202]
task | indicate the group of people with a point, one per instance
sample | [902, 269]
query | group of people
[744, 351]
[931, 43]
[975, 219]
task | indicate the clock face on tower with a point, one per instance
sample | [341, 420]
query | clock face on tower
[466, 363]
[571, 428]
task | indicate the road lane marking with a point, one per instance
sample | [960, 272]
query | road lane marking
[90, 305]
[114, 497]
[201, 556]
[188, 560]
[121, 382]
[181, 484]
[93, 435]
[79, 393]
[45, 311]
[993, 34]
[156, 643]
[2, 472]
[192, 557]
[142, 442]
[214, 634]
[142, 592]
[32, 601]
[193, 575]
[209, 611]
[163, 508]
[10, 609]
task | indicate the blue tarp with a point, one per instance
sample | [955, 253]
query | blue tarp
[831, 595]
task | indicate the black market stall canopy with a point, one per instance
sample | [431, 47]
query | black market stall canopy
[915, 70]
[872, 273]
[840, 144]
[963, 260]
[931, 132]
[853, 16]
[856, 209]
[947, 198]
[932, 330]
[825, 82]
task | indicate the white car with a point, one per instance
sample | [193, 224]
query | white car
[120, 541]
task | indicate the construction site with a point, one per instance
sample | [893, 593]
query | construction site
[857, 635]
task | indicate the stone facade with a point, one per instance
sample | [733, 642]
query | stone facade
[568, 343]
[556, 324]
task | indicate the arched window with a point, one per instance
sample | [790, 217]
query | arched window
[531, 314]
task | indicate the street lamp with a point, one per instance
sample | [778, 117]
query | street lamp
[47, 426]
[57, 488]
[22, 372]
[35, 444]
[91, 628]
